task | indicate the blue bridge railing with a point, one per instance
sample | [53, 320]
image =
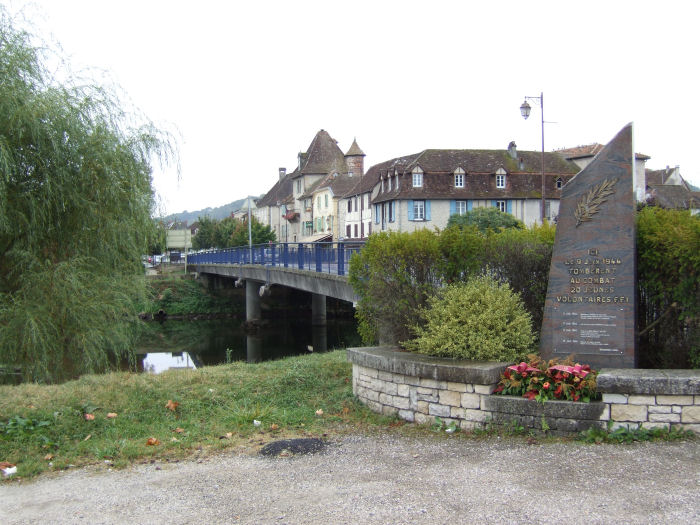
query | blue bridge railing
[322, 257]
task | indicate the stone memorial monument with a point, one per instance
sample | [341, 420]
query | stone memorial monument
[590, 305]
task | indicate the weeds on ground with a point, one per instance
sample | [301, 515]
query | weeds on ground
[628, 435]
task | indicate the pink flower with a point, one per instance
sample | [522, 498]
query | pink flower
[546, 385]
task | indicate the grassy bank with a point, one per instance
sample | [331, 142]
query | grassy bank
[45, 427]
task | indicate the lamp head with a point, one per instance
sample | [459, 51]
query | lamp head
[525, 110]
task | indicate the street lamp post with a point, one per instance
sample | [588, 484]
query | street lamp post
[525, 112]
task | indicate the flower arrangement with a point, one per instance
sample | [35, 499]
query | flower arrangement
[542, 380]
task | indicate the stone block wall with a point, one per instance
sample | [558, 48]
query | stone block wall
[420, 388]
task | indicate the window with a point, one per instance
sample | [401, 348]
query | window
[501, 205]
[347, 231]
[500, 178]
[388, 181]
[461, 207]
[318, 202]
[326, 198]
[459, 178]
[376, 214]
[392, 209]
[307, 204]
[349, 205]
[362, 229]
[356, 231]
[299, 186]
[559, 183]
[418, 210]
[417, 177]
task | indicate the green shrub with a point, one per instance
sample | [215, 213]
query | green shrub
[480, 320]
[485, 219]
[394, 274]
[668, 271]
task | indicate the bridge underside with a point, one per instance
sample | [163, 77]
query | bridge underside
[321, 285]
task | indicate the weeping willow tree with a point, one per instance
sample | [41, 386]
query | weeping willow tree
[75, 207]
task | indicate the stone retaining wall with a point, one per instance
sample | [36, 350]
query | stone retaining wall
[419, 388]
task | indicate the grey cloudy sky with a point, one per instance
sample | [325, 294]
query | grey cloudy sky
[246, 85]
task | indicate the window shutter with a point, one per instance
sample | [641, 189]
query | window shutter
[427, 210]
[509, 206]
[493, 203]
[410, 210]
[453, 207]
[470, 204]
[376, 214]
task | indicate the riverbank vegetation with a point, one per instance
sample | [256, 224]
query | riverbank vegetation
[184, 296]
[75, 214]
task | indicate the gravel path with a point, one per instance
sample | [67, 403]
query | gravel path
[375, 479]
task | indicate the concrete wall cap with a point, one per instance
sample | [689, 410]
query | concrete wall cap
[648, 381]
[392, 359]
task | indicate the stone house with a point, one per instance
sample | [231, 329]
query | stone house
[424, 189]
[302, 206]
[667, 188]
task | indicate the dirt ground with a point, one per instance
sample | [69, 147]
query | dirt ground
[382, 479]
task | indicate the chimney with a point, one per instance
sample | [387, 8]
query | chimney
[283, 172]
[512, 150]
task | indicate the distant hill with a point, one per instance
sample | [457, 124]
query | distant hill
[217, 213]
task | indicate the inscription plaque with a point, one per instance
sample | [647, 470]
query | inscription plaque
[590, 305]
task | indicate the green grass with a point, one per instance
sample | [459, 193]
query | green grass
[44, 427]
[179, 296]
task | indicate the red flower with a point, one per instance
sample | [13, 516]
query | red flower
[546, 385]
[506, 374]
[499, 388]
[557, 392]
[530, 394]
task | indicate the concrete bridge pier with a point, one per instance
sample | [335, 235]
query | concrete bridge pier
[252, 300]
[318, 309]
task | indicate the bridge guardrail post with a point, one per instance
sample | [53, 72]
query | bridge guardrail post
[285, 255]
[318, 253]
[341, 258]
[300, 255]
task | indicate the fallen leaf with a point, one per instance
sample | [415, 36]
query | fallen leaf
[174, 440]
[346, 411]
[229, 435]
[6, 464]
[172, 405]
[319, 412]
[274, 426]
[179, 430]
[111, 415]
[89, 417]
[152, 442]
[87, 437]
[48, 457]
[32, 407]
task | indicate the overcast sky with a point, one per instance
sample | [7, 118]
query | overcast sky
[246, 85]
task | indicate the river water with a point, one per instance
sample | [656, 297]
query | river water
[193, 344]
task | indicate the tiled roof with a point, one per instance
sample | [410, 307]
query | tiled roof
[323, 156]
[524, 174]
[354, 150]
[674, 196]
[281, 191]
[590, 150]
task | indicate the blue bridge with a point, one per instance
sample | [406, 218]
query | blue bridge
[318, 268]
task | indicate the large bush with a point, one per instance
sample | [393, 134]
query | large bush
[521, 258]
[485, 219]
[480, 319]
[668, 270]
[394, 275]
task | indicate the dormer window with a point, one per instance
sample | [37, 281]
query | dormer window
[388, 181]
[459, 178]
[560, 183]
[417, 177]
[501, 178]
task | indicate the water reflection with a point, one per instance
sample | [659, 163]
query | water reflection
[161, 361]
[192, 344]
